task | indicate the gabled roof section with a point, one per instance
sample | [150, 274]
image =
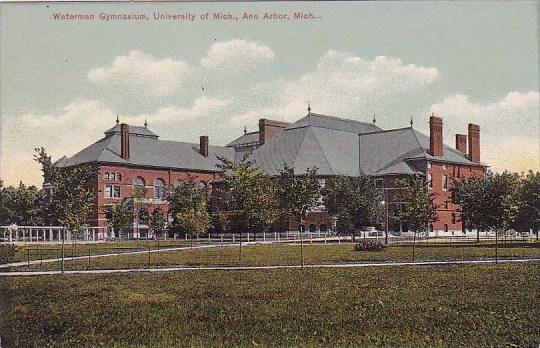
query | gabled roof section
[248, 138]
[147, 151]
[386, 152]
[335, 123]
[134, 130]
[333, 152]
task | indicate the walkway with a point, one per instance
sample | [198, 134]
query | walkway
[247, 268]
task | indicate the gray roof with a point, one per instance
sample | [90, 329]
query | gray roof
[247, 138]
[335, 123]
[343, 147]
[149, 151]
[135, 130]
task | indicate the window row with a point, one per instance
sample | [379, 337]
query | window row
[112, 176]
[139, 189]
[444, 182]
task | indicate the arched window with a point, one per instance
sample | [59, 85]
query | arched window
[159, 189]
[312, 228]
[323, 228]
[118, 177]
[106, 176]
[138, 187]
[445, 228]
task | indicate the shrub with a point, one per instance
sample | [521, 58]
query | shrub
[369, 245]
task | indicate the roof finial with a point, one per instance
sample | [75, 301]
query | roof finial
[145, 123]
[374, 119]
[412, 120]
[309, 109]
[432, 114]
[117, 118]
[245, 129]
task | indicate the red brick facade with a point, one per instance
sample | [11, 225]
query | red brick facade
[149, 176]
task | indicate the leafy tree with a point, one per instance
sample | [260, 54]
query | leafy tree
[418, 208]
[187, 204]
[72, 196]
[490, 202]
[354, 201]
[529, 196]
[469, 193]
[246, 197]
[297, 195]
[20, 205]
[157, 221]
[119, 216]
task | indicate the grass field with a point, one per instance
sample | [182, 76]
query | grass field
[287, 254]
[449, 306]
[46, 251]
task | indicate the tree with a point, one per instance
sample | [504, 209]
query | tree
[354, 201]
[297, 195]
[418, 208]
[469, 194]
[119, 216]
[20, 205]
[157, 221]
[246, 197]
[71, 199]
[187, 204]
[490, 202]
[529, 197]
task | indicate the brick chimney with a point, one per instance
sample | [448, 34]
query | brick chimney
[461, 143]
[269, 129]
[435, 136]
[474, 142]
[203, 145]
[124, 141]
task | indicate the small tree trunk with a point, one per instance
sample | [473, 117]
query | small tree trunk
[413, 244]
[477, 235]
[496, 246]
[63, 240]
[301, 244]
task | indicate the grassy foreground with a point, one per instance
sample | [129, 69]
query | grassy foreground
[287, 254]
[453, 306]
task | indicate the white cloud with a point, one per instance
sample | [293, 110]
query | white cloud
[509, 127]
[343, 84]
[144, 73]
[202, 107]
[236, 55]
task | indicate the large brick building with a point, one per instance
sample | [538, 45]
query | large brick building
[135, 156]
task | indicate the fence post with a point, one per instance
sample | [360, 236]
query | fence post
[264, 236]
[233, 237]
[221, 240]
[208, 237]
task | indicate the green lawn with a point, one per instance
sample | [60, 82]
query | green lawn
[45, 251]
[447, 306]
[289, 254]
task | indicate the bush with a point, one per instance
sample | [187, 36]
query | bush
[7, 253]
[369, 245]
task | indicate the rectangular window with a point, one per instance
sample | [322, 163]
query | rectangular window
[379, 183]
[429, 164]
[108, 190]
[430, 181]
[112, 191]
[445, 182]
[453, 218]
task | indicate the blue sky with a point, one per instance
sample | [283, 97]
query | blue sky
[63, 82]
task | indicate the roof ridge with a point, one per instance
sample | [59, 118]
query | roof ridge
[338, 118]
[418, 141]
[385, 131]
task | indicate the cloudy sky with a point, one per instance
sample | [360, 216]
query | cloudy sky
[63, 82]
